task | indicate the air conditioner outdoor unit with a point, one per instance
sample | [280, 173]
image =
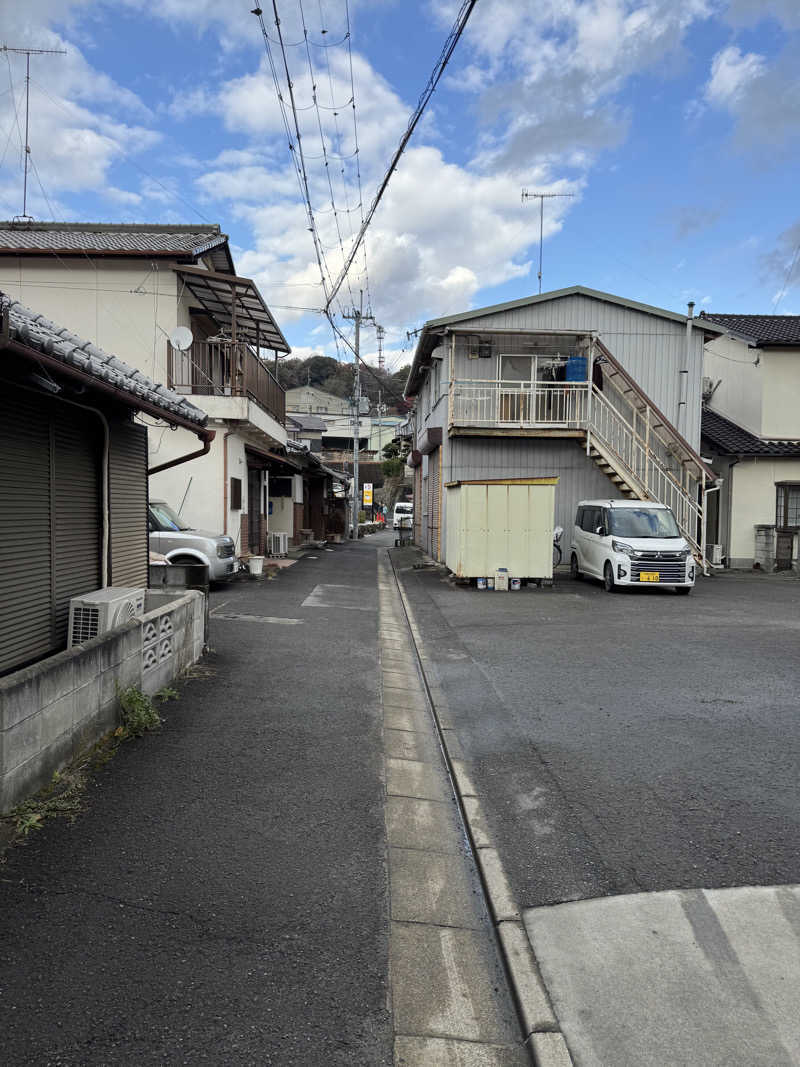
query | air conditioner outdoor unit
[96, 613]
[278, 544]
[715, 554]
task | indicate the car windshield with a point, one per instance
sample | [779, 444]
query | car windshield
[642, 522]
[166, 518]
[404, 507]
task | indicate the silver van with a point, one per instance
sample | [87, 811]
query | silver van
[180, 543]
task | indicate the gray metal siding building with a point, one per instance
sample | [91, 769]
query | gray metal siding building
[657, 348]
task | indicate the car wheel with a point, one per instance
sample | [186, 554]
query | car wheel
[609, 584]
[684, 590]
[574, 570]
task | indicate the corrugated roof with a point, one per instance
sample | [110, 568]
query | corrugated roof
[433, 325]
[734, 440]
[760, 329]
[39, 333]
[99, 238]
[217, 291]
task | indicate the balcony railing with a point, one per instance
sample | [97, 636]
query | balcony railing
[225, 368]
[488, 404]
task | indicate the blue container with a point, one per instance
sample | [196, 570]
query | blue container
[577, 369]
[481, 583]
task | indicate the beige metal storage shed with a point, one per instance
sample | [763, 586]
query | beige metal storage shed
[504, 522]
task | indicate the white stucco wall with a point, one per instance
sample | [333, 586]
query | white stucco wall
[732, 363]
[753, 499]
[201, 481]
[128, 307]
[781, 394]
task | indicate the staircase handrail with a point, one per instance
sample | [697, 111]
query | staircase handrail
[676, 435]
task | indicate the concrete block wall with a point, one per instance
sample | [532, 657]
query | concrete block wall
[53, 710]
[764, 547]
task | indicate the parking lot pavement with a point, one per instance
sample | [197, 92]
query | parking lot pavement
[627, 742]
[635, 759]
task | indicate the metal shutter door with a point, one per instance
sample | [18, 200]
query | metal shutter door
[434, 500]
[128, 496]
[78, 519]
[417, 504]
[25, 546]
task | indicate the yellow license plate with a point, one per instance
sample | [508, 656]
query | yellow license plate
[648, 576]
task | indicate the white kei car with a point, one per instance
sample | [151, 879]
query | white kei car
[630, 542]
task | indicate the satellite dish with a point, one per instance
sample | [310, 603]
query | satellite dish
[181, 338]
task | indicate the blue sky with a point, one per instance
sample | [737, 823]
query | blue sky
[675, 127]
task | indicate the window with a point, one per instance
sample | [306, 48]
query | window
[591, 519]
[236, 494]
[787, 504]
[643, 522]
[579, 518]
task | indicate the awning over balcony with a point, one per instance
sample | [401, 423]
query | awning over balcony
[236, 305]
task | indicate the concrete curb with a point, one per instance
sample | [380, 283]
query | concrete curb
[544, 1042]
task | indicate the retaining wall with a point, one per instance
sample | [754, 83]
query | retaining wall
[51, 711]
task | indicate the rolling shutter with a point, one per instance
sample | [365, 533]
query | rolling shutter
[127, 476]
[50, 525]
[418, 505]
[77, 512]
[434, 501]
[25, 547]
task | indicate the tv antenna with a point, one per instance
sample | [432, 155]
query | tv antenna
[28, 52]
[541, 197]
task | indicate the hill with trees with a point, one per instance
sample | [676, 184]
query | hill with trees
[337, 378]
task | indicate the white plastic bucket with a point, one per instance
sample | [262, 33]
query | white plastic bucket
[256, 565]
[516, 585]
[490, 583]
[481, 583]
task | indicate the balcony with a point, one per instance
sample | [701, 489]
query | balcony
[225, 368]
[487, 404]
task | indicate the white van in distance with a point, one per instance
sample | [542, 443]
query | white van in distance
[630, 542]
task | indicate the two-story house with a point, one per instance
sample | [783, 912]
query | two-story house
[601, 392]
[751, 431]
[167, 300]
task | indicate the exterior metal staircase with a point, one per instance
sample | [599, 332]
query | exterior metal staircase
[642, 453]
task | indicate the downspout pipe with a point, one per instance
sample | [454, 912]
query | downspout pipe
[225, 480]
[683, 388]
[206, 436]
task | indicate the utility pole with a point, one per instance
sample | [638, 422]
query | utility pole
[28, 52]
[541, 197]
[380, 333]
[358, 315]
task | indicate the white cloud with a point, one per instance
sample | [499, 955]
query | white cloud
[731, 73]
[762, 98]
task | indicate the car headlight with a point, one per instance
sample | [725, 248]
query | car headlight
[621, 546]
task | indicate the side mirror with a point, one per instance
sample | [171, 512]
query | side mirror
[601, 531]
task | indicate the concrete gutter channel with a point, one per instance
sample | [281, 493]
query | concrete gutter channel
[448, 1009]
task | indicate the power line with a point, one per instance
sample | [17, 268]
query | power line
[786, 280]
[322, 140]
[444, 58]
[355, 140]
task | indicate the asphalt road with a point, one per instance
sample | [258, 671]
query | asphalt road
[625, 743]
[224, 898]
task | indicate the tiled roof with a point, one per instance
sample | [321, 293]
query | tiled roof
[761, 329]
[308, 422]
[36, 332]
[733, 440]
[106, 238]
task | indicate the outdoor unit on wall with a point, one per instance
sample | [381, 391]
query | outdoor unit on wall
[278, 544]
[715, 555]
[97, 613]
